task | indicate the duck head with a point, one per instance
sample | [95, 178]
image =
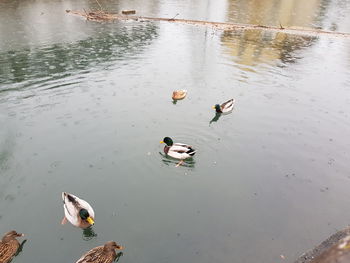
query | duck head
[84, 214]
[168, 141]
[217, 108]
[111, 245]
[11, 235]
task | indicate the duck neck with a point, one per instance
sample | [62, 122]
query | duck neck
[166, 149]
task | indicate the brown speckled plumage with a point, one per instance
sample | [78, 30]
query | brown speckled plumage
[338, 253]
[179, 94]
[9, 246]
[101, 254]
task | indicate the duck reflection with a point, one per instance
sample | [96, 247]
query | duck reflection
[89, 233]
[119, 255]
[20, 248]
[189, 163]
[216, 118]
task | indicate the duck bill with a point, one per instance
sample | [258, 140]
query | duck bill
[120, 247]
[161, 142]
[213, 107]
[90, 221]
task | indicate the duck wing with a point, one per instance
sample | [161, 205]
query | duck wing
[8, 250]
[97, 255]
[71, 208]
[87, 206]
[227, 106]
[182, 145]
[178, 151]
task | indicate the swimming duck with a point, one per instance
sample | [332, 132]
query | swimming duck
[177, 150]
[9, 245]
[77, 211]
[179, 94]
[224, 107]
[101, 254]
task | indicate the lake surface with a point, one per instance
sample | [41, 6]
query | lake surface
[83, 106]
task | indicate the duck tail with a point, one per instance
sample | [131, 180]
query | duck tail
[191, 152]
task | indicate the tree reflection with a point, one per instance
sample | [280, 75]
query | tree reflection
[60, 60]
[256, 46]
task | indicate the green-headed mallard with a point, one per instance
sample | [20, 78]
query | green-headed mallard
[77, 211]
[179, 94]
[224, 107]
[101, 254]
[179, 151]
[9, 246]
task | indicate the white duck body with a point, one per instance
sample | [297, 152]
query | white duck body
[179, 151]
[72, 205]
[227, 106]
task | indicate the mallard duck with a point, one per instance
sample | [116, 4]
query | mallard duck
[9, 246]
[179, 94]
[224, 107]
[77, 211]
[177, 150]
[101, 254]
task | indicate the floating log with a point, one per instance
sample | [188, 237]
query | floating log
[129, 12]
[104, 16]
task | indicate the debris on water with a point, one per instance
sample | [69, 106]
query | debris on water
[331, 161]
[101, 15]
[324, 189]
[128, 12]
[282, 257]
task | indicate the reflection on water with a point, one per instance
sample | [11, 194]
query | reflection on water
[61, 60]
[284, 13]
[89, 233]
[20, 248]
[253, 47]
[216, 118]
[83, 104]
[169, 161]
[119, 255]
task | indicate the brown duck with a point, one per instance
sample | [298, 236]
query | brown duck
[179, 94]
[101, 254]
[9, 246]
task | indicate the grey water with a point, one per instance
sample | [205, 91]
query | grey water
[83, 106]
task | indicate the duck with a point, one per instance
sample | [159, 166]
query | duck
[224, 107]
[178, 151]
[9, 246]
[179, 94]
[101, 254]
[77, 211]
